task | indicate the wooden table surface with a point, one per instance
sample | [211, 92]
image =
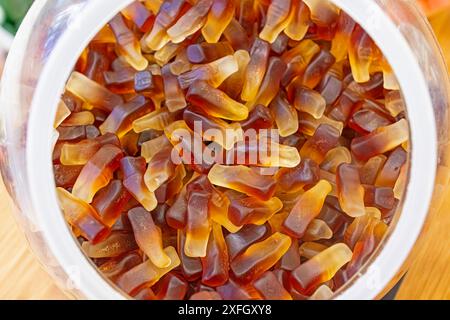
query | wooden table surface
[22, 277]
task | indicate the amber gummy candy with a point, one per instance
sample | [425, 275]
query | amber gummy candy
[381, 140]
[306, 209]
[249, 210]
[127, 44]
[191, 267]
[166, 16]
[285, 115]
[133, 170]
[276, 20]
[270, 288]
[147, 274]
[175, 99]
[325, 138]
[243, 179]
[80, 153]
[260, 257]
[148, 236]
[159, 169]
[190, 22]
[82, 216]
[350, 190]
[97, 173]
[215, 102]
[219, 16]
[116, 244]
[140, 15]
[271, 82]
[230, 133]
[205, 52]
[320, 268]
[256, 69]
[111, 201]
[292, 180]
[92, 93]
[198, 222]
[216, 262]
[121, 118]
[215, 72]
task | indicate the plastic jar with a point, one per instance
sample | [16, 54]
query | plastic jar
[44, 52]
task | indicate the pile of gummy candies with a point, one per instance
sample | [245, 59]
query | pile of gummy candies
[295, 223]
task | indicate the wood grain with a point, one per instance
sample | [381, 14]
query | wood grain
[22, 277]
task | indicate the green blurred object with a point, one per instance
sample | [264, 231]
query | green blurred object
[15, 11]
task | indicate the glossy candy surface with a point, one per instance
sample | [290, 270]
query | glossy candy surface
[320, 268]
[175, 99]
[243, 179]
[249, 210]
[292, 180]
[97, 172]
[220, 15]
[215, 264]
[92, 93]
[198, 222]
[361, 54]
[381, 140]
[190, 22]
[111, 201]
[128, 44]
[146, 274]
[234, 84]
[306, 209]
[215, 72]
[159, 169]
[231, 149]
[299, 20]
[260, 257]
[277, 19]
[80, 153]
[285, 115]
[148, 236]
[82, 216]
[142, 17]
[325, 138]
[206, 52]
[310, 101]
[271, 82]
[216, 102]
[213, 129]
[133, 171]
[256, 69]
[121, 118]
[270, 288]
[114, 245]
[157, 37]
[350, 190]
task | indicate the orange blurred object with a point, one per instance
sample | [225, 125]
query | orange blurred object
[433, 6]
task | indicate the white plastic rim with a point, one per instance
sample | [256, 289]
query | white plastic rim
[423, 148]
[402, 238]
